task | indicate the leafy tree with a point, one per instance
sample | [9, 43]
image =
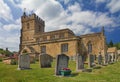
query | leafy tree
[7, 53]
[110, 44]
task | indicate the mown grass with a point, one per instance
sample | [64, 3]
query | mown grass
[9, 73]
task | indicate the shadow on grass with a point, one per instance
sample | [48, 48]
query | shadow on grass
[111, 63]
[97, 67]
[74, 74]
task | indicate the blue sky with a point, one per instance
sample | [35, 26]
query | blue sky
[81, 16]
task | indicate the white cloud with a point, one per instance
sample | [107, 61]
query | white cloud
[114, 6]
[5, 12]
[56, 17]
[10, 35]
[10, 42]
[74, 8]
[66, 1]
[100, 1]
[11, 27]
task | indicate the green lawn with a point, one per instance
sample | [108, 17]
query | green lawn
[9, 73]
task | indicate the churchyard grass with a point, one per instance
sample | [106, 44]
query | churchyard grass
[9, 73]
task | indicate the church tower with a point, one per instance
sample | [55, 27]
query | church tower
[31, 25]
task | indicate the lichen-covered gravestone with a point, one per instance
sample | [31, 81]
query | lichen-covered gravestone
[80, 63]
[100, 59]
[24, 62]
[90, 60]
[45, 60]
[61, 62]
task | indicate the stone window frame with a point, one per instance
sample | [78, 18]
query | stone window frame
[64, 47]
[89, 45]
[27, 38]
[43, 49]
[28, 26]
[56, 36]
[45, 38]
[62, 35]
[52, 37]
[39, 28]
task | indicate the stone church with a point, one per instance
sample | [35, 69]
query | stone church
[34, 40]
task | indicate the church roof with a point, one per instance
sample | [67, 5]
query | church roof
[112, 49]
[55, 31]
[91, 34]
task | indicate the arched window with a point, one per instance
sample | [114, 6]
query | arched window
[89, 47]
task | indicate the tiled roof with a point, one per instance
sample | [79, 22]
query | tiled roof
[112, 49]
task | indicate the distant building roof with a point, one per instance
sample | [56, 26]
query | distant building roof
[112, 49]
[91, 34]
[118, 51]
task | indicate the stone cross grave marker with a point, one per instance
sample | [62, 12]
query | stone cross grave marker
[24, 62]
[45, 60]
[61, 62]
[80, 63]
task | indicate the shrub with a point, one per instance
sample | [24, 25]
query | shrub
[0, 59]
[14, 62]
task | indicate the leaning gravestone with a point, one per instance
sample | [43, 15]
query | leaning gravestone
[100, 59]
[80, 63]
[24, 62]
[61, 62]
[90, 60]
[45, 60]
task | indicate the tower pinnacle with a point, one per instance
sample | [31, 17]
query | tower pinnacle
[24, 13]
[103, 30]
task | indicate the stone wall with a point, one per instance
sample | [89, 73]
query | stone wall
[55, 48]
[98, 43]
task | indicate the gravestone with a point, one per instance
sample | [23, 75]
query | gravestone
[92, 57]
[24, 62]
[100, 59]
[90, 60]
[106, 59]
[45, 60]
[112, 58]
[80, 63]
[109, 58]
[61, 62]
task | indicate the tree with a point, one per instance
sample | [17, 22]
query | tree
[7, 53]
[110, 44]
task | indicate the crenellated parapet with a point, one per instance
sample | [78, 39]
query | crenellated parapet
[32, 16]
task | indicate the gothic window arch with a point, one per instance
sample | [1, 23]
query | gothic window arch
[28, 25]
[89, 44]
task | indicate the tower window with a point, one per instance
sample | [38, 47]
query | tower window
[39, 28]
[27, 38]
[64, 47]
[89, 47]
[28, 26]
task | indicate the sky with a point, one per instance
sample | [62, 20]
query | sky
[81, 16]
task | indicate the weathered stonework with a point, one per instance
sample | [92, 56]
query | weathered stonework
[35, 40]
